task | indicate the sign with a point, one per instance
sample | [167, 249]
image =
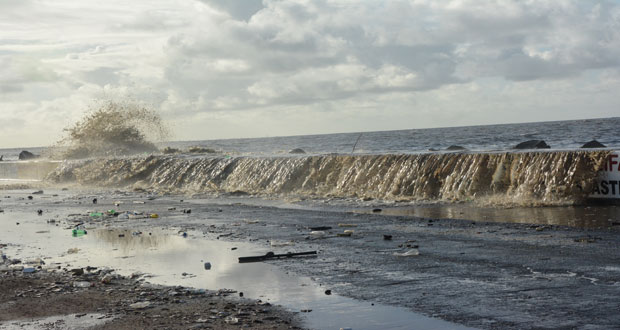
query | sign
[607, 183]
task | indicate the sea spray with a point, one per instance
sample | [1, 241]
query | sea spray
[509, 178]
[112, 128]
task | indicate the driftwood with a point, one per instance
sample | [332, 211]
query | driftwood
[271, 255]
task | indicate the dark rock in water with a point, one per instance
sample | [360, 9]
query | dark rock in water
[454, 148]
[433, 149]
[297, 151]
[593, 144]
[200, 150]
[169, 150]
[532, 144]
[25, 155]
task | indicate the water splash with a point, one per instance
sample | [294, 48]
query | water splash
[511, 178]
[113, 128]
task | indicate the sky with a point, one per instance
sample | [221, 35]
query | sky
[249, 68]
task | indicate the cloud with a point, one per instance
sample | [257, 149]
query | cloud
[310, 59]
[238, 9]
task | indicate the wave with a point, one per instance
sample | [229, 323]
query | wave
[510, 178]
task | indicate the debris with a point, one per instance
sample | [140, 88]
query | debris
[188, 211]
[231, 320]
[78, 232]
[346, 233]
[281, 243]
[320, 228]
[29, 270]
[154, 216]
[107, 279]
[207, 265]
[387, 237]
[318, 233]
[271, 255]
[347, 225]
[94, 201]
[140, 305]
[38, 192]
[376, 210]
[328, 292]
[410, 253]
[82, 284]
[40, 212]
[77, 271]
[73, 250]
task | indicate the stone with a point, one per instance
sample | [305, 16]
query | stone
[532, 144]
[297, 151]
[26, 155]
[455, 148]
[140, 305]
[593, 144]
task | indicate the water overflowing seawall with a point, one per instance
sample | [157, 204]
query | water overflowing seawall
[533, 178]
[26, 170]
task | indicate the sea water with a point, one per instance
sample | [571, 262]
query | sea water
[561, 135]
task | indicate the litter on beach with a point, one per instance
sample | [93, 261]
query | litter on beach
[410, 253]
[271, 255]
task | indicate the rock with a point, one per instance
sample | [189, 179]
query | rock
[77, 271]
[532, 144]
[81, 284]
[200, 150]
[328, 292]
[140, 305]
[455, 148]
[169, 150]
[593, 144]
[297, 151]
[107, 279]
[25, 155]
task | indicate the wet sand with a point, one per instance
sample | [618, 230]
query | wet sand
[476, 274]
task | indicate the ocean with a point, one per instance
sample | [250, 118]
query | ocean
[559, 135]
[387, 166]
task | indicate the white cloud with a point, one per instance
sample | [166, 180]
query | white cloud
[389, 64]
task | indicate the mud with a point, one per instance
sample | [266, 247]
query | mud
[57, 300]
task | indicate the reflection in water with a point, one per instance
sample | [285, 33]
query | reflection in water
[174, 260]
[127, 240]
[574, 216]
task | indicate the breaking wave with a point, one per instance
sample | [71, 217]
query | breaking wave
[511, 178]
[113, 128]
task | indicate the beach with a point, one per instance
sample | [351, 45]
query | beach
[444, 273]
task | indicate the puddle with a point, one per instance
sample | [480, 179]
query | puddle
[166, 257]
[57, 322]
[602, 216]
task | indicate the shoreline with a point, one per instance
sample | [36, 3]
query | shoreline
[125, 303]
[478, 274]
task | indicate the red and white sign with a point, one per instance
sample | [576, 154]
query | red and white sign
[607, 183]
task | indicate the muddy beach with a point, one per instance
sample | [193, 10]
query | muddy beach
[372, 270]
